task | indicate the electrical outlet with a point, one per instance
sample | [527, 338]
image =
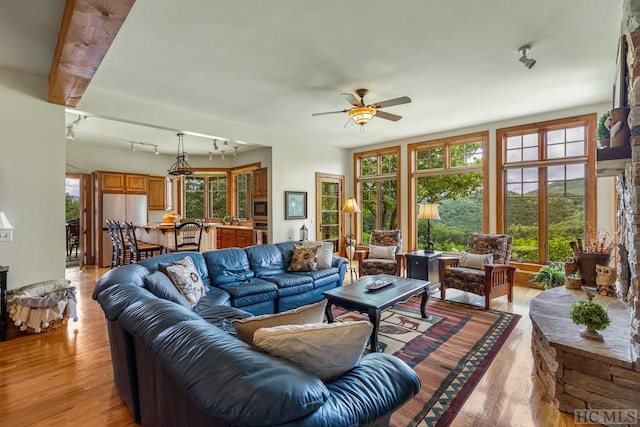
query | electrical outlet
[6, 235]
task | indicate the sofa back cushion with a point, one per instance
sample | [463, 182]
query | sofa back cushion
[161, 286]
[265, 260]
[228, 266]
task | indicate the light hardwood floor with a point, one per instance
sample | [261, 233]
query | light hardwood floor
[64, 377]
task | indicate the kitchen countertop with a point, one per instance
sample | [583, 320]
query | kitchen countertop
[169, 226]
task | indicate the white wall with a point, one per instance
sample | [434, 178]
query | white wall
[605, 192]
[32, 174]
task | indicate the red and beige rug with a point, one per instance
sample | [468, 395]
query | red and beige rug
[450, 352]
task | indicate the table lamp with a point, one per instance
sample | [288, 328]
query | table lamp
[428, 211]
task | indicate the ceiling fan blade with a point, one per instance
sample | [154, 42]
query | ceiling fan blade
[329, 112]
[390, 102]
[351, 99]
[388, 116]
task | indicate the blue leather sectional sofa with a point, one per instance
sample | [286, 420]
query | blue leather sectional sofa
[174, 366]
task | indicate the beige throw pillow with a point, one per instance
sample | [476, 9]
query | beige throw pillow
[326, 350]
[311, 313]
[184, 275]
[477, 261]
[382, 252]
[304, 258]
[324, 257]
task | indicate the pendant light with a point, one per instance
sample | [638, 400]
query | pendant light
[180, 167]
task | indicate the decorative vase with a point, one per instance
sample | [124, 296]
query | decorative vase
[349, 251]
[587, 266]
[591, 334]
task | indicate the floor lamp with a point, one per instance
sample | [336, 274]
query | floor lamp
[351, 207]
[428, 211]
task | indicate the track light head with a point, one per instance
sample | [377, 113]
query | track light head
[215, 144]
[222, 156]
[528, 62]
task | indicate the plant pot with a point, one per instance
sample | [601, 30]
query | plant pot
[573, 283]
[591, 334]
[587, 266]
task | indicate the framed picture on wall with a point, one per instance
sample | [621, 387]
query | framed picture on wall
[295, 205]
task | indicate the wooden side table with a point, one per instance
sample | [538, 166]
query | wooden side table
[4, 310]
[423, 265]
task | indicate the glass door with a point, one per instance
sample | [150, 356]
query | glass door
[329, 199]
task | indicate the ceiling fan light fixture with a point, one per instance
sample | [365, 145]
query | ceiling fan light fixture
[362, 115]
[180, 167]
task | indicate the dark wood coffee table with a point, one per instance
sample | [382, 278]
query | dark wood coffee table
[373, 302]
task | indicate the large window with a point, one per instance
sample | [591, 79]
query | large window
[449, 172]
[205, 196]
[545, 171]
[243, 183]
[377, 187]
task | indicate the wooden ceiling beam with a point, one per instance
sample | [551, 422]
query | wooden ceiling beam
[87, 30]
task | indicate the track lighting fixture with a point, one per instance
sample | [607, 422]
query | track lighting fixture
[222, 155]
[215, 144]
[226, 143]
[235, 151]
[135, 144]
[210, 156]
[528, 62]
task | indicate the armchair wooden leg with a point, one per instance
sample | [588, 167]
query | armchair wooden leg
[443, 291]
[510, 295]
[487, 301]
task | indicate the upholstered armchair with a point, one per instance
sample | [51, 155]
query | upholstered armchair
[483, 268]
[383, 255]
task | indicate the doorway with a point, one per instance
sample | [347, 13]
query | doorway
[78, 216]
[329, 199]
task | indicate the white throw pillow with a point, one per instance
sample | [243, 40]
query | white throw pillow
[326, 350]
[477, 261]
[310, 313]
[324, 257]
[382, 252]
[184, 275]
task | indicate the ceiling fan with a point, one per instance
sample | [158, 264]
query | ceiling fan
[362, 113]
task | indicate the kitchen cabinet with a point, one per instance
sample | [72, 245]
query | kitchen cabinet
[233, 237]
[117, 182]
[110, 181]
[157, 193]
[260, 183]
[136, 183]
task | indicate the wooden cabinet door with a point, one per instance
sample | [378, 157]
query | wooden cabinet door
[157, 193]
[260, 183]
[244, 238]
[136, 183]
[111, 181]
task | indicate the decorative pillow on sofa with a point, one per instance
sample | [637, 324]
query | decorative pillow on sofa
[311, 313]
[326, 350]
[161, 286]
[477, 261]
[184, 275]
[304, 258]
[324, 258]
[382, 252]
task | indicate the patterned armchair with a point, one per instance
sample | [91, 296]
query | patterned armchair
[383, 255]
[485, 272]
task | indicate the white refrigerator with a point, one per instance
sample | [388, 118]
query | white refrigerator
[120, 207]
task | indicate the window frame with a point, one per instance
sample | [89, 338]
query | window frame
[588, 159]
[413, 173]
[359, 179]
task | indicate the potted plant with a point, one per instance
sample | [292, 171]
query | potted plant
[226, 219]
[591, 314]
[602, 132]
[549, 276]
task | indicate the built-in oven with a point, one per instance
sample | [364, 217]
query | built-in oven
[260, 209]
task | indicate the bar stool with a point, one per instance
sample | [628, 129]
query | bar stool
[138, 250]
[187, 236]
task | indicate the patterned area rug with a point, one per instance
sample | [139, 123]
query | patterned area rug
[450, 352]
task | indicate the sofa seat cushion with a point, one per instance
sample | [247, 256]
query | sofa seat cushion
[465, 279]
[251, 287]
[217, 314]
[265, 260]
[322, 278]
[288, 280]
[214, 296]
[294, 290]
[379, 266]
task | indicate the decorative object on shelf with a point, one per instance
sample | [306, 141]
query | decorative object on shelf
[295, 205]
[572, 280]
[606, 280]
[304, 232]
[428, 211]
[602, 131]
[591, 314]
[550, 276]
[180, 167]
[226, 220]
[618, 128]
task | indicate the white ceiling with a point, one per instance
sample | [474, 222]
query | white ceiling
[273, 64]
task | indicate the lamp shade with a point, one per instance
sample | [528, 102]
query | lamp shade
[351, 206]
[362, 115]
[428, 211]
[4, 222]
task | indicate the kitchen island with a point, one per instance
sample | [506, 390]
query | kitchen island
[214, 235]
